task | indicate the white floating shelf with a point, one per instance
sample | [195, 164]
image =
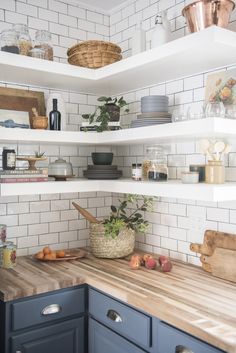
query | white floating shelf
[209, 49]
[182, 131]
[173, 189]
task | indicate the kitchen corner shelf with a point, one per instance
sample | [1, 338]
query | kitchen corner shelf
[172, 189]
[173, 132]
[209, 49]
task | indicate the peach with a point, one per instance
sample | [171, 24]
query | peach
[135, 262]
[150, 264]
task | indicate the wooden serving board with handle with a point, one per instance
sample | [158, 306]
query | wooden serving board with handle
[213, 239]
[222, 263]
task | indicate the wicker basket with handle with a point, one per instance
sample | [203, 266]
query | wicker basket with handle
[108, 247]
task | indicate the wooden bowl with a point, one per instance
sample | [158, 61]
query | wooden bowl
[40, 122]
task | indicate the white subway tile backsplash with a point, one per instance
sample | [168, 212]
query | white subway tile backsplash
[48, 15]
[42, 3]
[8, 5]
[26, 9]
[40, 228]
[219, 214]
[14, 17]
[47, 239]
[17, 208]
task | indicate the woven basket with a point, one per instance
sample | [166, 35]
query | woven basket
[94, 45]
[94, 60]
[109, 248]
[94, 54]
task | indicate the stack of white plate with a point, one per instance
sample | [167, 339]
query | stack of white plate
[154, 111]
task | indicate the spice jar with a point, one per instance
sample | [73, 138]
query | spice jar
[215, 172]
[155, 164]
[3, 233]
[43, 40]
[8, 159]
[9, 41]
[37, 53]
[137, 171]
[1, 254]
[23, 37]
[9, 255]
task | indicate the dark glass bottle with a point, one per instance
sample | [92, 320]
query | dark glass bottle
[55, 117]
[8, 159]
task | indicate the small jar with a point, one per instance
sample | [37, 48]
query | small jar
[8, 159]
[3, 233]
[215, 172]
[43, 40]
[24, 39]
[155, 164]
[190, 177]
[137, 172]
[9, 255]
[9, 41]
[201, 169]
[37, 53]
[1, 254]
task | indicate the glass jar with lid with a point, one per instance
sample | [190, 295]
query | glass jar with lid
[9, 41]
[43, 40]
[24, 39]
[155, 164]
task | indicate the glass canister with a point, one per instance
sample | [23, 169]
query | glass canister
[9, 41]
[215, 172]
[24, 39]
[155, 164]
[1, 254]
[9, 255]
[43, 40]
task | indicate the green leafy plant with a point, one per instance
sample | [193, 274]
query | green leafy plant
[39, 154]
[103, 114]
[121, 217]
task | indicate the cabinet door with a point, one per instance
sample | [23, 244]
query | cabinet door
[171, 340]
[66, 337]
[103, 340]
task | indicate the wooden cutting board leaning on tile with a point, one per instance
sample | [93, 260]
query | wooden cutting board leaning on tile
[218, 254]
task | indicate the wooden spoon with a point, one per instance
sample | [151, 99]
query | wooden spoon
[86, 214]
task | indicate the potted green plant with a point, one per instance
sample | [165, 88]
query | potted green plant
[109, 110]
[115, 236]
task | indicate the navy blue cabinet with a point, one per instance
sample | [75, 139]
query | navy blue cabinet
[171, 340]
[65, 337]
[55, 322]
[103, 340]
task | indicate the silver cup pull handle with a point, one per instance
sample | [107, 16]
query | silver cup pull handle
[114, 315]
[51, 309]
[182, 349]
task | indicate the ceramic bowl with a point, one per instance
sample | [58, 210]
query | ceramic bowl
[100, 158]
[60, 169]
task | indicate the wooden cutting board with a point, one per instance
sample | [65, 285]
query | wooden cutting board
[222, 263]
[213, 239]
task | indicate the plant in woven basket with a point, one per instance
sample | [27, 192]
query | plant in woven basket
[108, 111]
[121, 217]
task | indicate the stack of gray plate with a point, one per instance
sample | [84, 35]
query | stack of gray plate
[102, 172]
[154, 111]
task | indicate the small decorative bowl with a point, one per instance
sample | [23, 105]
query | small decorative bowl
[102, 158]
[60, 169]
[39, 122]
[190, 177]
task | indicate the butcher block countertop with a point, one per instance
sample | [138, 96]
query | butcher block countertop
[187, 298]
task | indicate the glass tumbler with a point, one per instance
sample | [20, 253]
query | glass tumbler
[215, 110]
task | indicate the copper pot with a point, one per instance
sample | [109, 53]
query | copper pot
[205, 13]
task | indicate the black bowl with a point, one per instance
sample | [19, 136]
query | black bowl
[102, 158]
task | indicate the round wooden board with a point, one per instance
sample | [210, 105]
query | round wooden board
[69, 256]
